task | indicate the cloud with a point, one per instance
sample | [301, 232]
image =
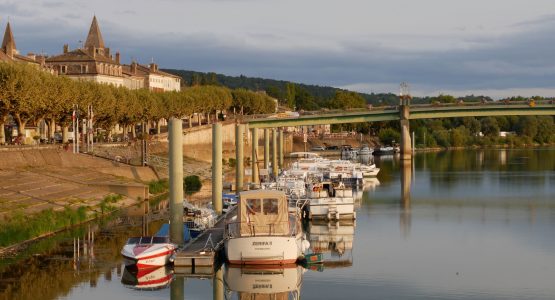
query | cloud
[345, 51]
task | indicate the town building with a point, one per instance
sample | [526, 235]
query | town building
[93, 62]
[150, 77]
[96, 63]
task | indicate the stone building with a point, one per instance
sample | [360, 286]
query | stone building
[93, 62]
[150, 77]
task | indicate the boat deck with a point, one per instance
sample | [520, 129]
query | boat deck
[198, 257]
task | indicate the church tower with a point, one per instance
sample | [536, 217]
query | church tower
[8, 43]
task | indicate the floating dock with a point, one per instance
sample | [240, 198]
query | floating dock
[198, 257]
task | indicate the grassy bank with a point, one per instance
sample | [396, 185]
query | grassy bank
[20, 227]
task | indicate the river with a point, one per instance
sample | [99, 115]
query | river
[465, 224]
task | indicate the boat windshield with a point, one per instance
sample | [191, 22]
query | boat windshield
[160, 240]
[133, 240]
[146, 240]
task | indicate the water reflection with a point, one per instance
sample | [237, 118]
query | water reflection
[277, 282]
[147, 279]
[473, 224]
[334, 240]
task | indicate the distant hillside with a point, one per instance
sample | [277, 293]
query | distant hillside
[275, 88]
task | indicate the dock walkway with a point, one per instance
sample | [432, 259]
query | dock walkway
[198, 257]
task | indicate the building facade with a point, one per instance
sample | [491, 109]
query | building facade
[93, 62]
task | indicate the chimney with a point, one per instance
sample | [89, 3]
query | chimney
[66, 48]
[133, 68]
[117, 58]
[107, 52]
[153, 67]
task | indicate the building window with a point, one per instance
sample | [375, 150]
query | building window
[63, 69]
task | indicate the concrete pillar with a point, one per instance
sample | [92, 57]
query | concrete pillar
[218, 285]
[280, 147]
[175, 136]
[405, 213]
[255, 177]
[266, 148]
[177, 287]
[239, 163]
[406, 145]
[274, 153]
[217, 167]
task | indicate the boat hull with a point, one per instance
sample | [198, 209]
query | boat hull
[332, 208]
[263, 250]
[147, 258]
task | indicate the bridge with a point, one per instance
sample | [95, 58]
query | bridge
[404, 113]
[415, 112]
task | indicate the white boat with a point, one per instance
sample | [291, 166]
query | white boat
[369, 170]
[147, 279]
[303, 155]
[198, 219]
[331, 201]
[365, 150]
[263, 232]
[283, 282]
[147, 251]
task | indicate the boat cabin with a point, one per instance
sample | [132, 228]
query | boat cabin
[263, 212]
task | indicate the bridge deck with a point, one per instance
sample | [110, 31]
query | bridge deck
[416, 112]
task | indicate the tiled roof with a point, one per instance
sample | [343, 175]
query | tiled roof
[80, 55]
[145, 71]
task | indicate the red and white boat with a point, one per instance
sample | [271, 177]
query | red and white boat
[148, 251]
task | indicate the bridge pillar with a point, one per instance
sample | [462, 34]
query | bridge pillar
[274, 153]
[176, 180]
[280, 147]
[266, 148]
[254, 159]
[239, 155]
[217, 168]
[406, 145]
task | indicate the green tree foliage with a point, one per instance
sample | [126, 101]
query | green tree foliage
[191, 184]
[490, 127]
[388, 136]
[346, 100]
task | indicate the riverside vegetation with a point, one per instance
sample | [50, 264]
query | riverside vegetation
[31, 96]
[19, 227]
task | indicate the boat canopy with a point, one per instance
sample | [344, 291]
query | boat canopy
[263, 212]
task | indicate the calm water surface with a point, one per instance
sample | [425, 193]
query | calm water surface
[473, 225]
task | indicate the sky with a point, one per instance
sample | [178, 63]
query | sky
[497, 48]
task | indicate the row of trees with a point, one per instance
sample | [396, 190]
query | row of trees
[470, 131]
[30, 96]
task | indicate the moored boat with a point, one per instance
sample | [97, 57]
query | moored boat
[264, 232]
[151, 251]
[147, 251]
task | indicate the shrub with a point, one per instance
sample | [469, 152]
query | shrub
[191, 184]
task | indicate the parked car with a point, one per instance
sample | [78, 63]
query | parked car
[318, 148]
